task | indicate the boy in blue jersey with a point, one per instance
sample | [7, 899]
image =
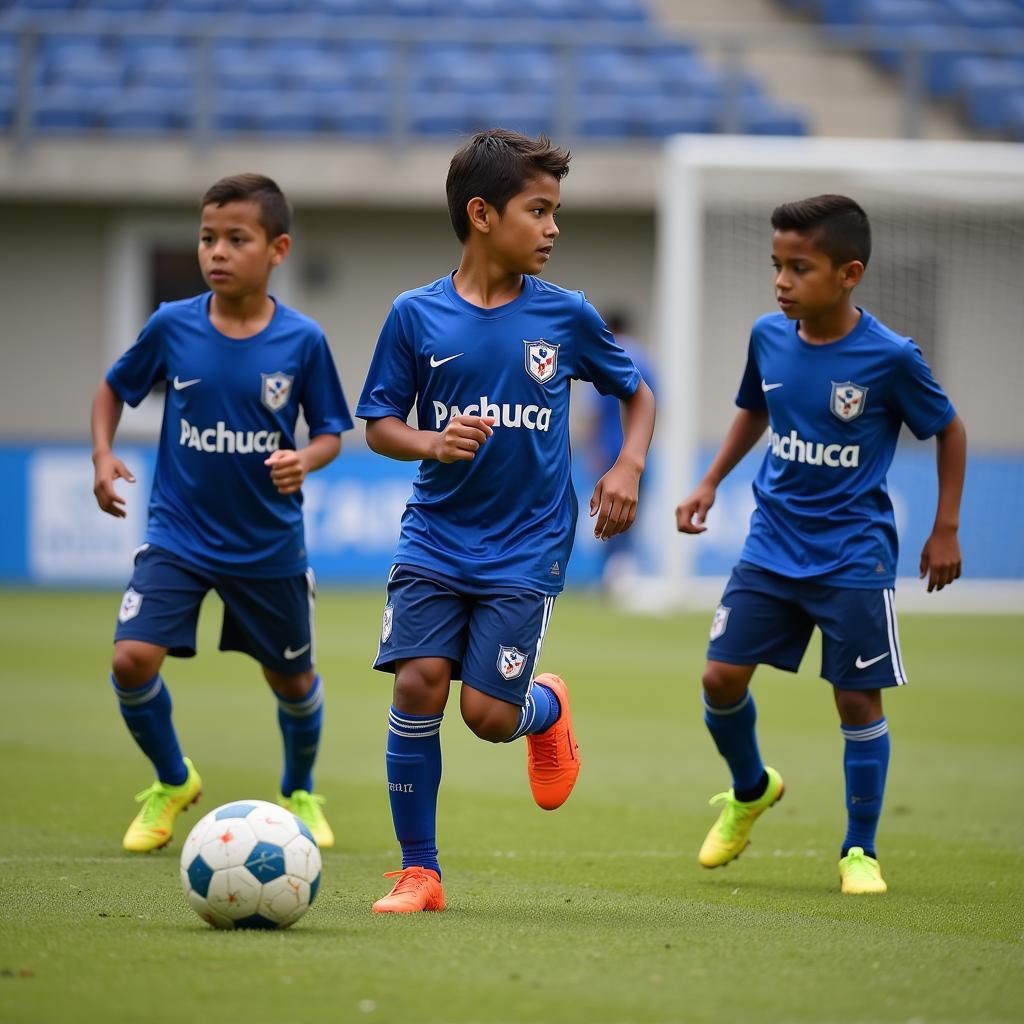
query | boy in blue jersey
[833, 386]
[486, 355]
[225, 511]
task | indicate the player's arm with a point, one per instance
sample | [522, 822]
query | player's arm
[460, 440]
[743, 434]
[940, 557]
[615, 496]
[289, 468]
[106, 414]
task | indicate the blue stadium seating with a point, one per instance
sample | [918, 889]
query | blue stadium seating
[985, 84]
[147, 82]
[1015, 115]
[148, 110]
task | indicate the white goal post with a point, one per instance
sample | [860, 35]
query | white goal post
[947, 269]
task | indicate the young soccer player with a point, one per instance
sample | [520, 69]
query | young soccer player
[486, 355]
[226, 507]
[834, 386]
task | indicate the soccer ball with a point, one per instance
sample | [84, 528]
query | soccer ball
[250, 864]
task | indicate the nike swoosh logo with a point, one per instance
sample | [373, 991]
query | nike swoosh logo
[861, 663]
[180, 385]
[292, 655]
[434, 361]
[768, 387]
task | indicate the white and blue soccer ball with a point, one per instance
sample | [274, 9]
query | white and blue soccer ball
[250, 864]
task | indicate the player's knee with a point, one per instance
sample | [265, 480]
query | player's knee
[134, 664]
[725, 684]
[290, 687]
[492, 724]
[419, 687]
[859, 707]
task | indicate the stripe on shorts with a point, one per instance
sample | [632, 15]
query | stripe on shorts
[888, 599]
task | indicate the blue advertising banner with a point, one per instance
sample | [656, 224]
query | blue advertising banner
[52, 533]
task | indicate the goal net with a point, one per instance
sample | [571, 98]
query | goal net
[946, 269]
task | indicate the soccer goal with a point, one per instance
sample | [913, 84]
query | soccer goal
[947, 269]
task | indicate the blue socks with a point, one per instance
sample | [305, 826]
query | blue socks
[865, 761]
[146, 711]
[300, 721]
[539, 713]
[732, 729]
[414, 776]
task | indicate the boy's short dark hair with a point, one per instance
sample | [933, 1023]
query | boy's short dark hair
[496, 165]
[837, 225]
[275, 213]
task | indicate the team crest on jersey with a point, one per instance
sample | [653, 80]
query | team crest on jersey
[277, 389]
[389, 621]
[511, 662]
[541, 359]
[719, 622]
[131, 605]
[848, 400]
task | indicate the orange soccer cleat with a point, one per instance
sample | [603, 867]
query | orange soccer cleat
[553, 758]
[416, 889]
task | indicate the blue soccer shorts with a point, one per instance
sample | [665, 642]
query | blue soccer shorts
[491, 635]
[270, 619]
[767, 619]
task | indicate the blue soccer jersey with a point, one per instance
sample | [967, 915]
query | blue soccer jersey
[835, 413]
[230, 403]
[508, 516]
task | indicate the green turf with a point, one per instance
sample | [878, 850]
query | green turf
[595, 913]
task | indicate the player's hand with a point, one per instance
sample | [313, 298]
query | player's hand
[940, 558]
[614, 501]
[691, 513]
[287, 470]
[462, 438]
[108, 468]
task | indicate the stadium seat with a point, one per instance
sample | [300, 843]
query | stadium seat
[986, 14]
[8, 102]
[640, 117]
[119, 6]
[143, 110]
[482, 8]
[522, 66]
[63, 109]
[1015, 115]
[415, 8]
[46, 6]
[984, 86]
[373, 64]
[360, 113]
[617, 10]
[342, 8]
[189, 10]
[8, 58]
[281, 9]
[238, 110]
[674, 115]
[617, 70]
[287, 114]
[553, 10]
[762, 117]
[445, 66]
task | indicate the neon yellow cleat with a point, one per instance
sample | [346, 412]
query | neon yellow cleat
[306, 807]
[729, 836]
[861, 874]
[153, 826]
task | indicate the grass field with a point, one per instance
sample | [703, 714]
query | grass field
[596, 913]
